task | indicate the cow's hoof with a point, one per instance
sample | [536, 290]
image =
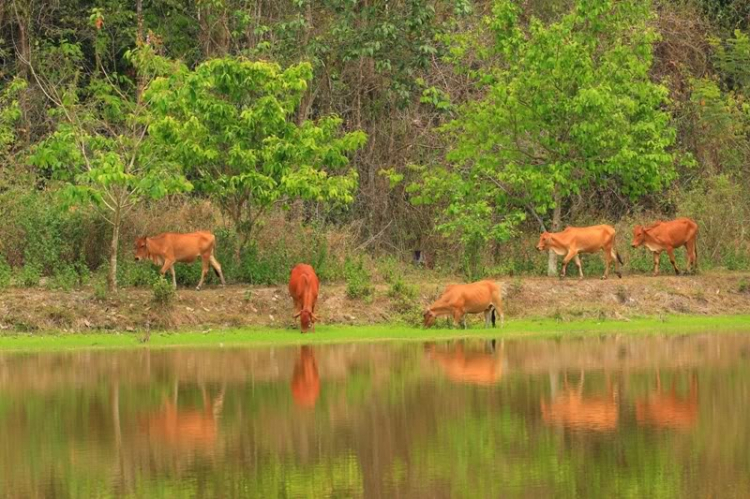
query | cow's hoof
[604, 278]
[619, 274]
[197, 288]
[676, 272]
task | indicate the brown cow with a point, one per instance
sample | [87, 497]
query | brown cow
[168, 248]
[667, 409]
[575, 240]
[303, 288]
[571, 409]
[477, 368]
[460, 299]
[666, 236]
[305, 379]
[186, 429]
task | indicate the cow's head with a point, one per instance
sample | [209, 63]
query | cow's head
[141, 251]
[307, 320]
[639, 235]
[544, 241]
[429, 318]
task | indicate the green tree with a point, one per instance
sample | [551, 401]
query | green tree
[230, 122]
[101, 153]
[565, 106]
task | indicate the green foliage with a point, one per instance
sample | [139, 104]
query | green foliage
[358, 279]
[65, 278]
[6, 273]
[229, 122]
[163, 292]
[30, 275]
[566, 106]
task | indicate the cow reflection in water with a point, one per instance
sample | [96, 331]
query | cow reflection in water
[667, 409]
[305, 380]
[574, 410]
[186, 429]
[477, 368]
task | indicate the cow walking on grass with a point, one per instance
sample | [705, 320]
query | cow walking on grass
[168, 248]
[666, 236]
[460, 299]
[303, 288]
[575, 240]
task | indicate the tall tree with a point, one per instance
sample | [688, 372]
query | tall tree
[101, 153]
[566, 106]
[231, 123]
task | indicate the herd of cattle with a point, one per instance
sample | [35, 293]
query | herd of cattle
[457, 300]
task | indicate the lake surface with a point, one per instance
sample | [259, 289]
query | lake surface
[599, 417]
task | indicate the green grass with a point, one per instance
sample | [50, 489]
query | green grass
[543, 328]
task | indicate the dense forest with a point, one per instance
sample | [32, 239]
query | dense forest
[343, 131]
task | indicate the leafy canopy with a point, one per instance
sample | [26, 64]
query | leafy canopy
[101, 152]
[229, 122]
[565, 106]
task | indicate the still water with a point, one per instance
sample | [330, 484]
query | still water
[600, 417]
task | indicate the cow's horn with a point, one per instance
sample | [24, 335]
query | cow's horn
[297, 314]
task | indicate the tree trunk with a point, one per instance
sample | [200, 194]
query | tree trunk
[556, 222]
[23, 58]
[112, 276]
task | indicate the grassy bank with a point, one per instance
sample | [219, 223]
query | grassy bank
[526, 328]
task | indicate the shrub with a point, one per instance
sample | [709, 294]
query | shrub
[358, 280]
[30, 275]
[6, 273]
[163, 292]
[65, 278]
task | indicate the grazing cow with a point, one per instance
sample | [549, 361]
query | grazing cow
[575, 240]
[186, 429]
[571, 409]
[168, 248]
[303, 287]
[667, 409]
[460, 299]
[305, 379]
[477, 368]
[666, 236]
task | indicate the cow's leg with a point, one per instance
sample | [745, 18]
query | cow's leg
[607, 261]
[459, 317]
[488, 317]
[215, 264]
[169, 265]
[657, 260]
[204, 271]
[571, 254]
[580, 267]
[670, 252]
[692, 255]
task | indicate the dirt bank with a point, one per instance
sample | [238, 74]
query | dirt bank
[235, 306]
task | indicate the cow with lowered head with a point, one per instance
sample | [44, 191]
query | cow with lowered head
[303, 288]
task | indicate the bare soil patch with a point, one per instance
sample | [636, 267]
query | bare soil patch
[132, 309]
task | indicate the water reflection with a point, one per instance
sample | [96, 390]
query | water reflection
[473, 367]
[572, 409]
[305, 379]
[668, 409]
[191, 429]
[451, 419]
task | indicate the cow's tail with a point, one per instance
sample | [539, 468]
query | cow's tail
[493, 316]
[619, 258]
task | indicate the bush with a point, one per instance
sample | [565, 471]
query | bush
[163, 292]
[65, 278]
[30, 275]
[358, 280]
[6, 273]
[138, 274]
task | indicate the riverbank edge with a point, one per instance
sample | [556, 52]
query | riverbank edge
[331, 334]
